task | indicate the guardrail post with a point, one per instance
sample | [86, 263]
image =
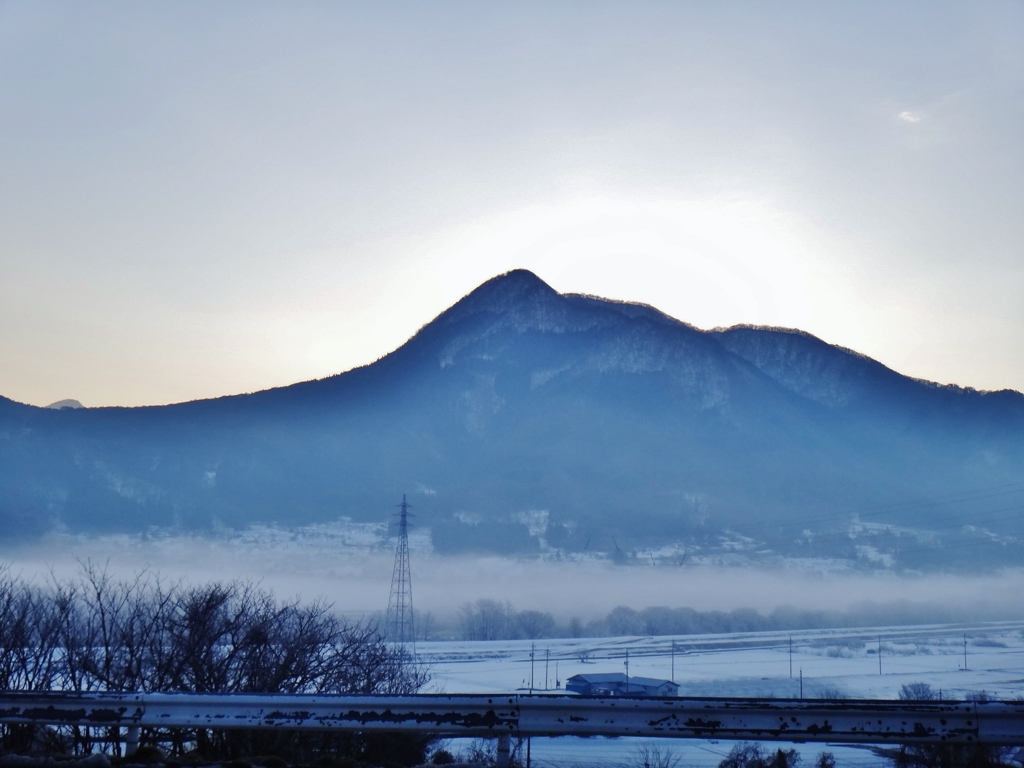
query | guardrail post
[131, 743]
[503, 758]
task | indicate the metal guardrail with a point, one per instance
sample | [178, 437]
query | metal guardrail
[794, 720]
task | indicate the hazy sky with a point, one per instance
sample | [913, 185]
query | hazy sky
[199, 199]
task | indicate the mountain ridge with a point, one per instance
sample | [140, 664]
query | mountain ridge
[520, 279]
[618, 424]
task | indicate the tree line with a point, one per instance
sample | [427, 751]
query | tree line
[95, 632]
[488, 619]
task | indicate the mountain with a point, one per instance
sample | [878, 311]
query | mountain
[61, 404]
[523, 420]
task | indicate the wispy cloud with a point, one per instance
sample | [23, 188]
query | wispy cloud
[910, 117]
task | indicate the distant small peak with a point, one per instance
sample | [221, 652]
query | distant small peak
[62, 405]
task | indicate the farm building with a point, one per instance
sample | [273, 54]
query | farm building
[618, 684]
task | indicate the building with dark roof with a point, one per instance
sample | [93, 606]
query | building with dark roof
[618, 684]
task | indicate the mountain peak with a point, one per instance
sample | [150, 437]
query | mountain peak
[507, 292]
[511, 288]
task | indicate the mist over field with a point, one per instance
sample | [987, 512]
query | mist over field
[357, 583]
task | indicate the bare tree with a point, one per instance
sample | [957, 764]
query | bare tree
[486, 620]
[917, 692]
[535, 624]
[652, 755]
[426, 624]
[97, 632]
[829, 692]
[624, 621]
[746, 755]
[29, 650]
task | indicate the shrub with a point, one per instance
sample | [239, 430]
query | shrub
[654, 756]
[829, 692]
[917, 692]
[746, 755]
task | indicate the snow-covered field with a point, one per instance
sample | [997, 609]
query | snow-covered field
[349, 565]
[833, 663]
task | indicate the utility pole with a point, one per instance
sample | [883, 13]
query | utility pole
[965, 651]
[532, 648]
[627, 670]
[398, 624]
[879, 654]
[673, 661]
[547, 661]
[790, 657]
[801, 682]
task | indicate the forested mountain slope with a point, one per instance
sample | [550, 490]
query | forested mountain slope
[524, 420]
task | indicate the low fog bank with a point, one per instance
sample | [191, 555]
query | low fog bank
[357, 582]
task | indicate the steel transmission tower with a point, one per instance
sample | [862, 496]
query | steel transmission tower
[398, 625]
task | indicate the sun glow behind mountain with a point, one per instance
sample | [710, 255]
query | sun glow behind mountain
[712, 263]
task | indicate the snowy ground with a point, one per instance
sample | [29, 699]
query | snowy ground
[833, 663]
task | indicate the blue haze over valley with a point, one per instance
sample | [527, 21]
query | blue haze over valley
[526, 422]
